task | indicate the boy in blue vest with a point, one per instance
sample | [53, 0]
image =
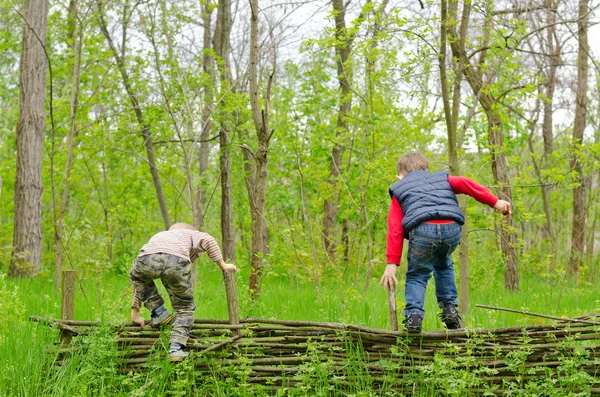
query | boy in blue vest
[424, 209]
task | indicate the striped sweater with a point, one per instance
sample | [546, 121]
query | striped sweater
[183, 243]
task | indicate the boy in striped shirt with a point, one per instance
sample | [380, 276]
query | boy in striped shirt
[169, 256]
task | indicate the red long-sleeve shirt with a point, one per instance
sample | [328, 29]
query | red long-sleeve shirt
[395, 236]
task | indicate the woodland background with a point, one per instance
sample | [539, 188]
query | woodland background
[276, 127]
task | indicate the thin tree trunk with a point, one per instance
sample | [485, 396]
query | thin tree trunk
[146, 132]
[207, 110]
[342, 50]
[346, 241]
[579, 193]
[27, 237]
[554, 52]
[106, 208]
[259, 185]
[547, 228]
[73, 109]
[548, 123]
[227, 230]
[222, 45]
[451, 114]
[499, 171]
[592, 195]
[187, 158]
[451, 127]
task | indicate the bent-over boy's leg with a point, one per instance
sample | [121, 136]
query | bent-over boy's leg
[177, 281]
[142, 274]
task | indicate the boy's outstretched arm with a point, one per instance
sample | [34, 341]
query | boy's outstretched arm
[464, 185]
[209, 245]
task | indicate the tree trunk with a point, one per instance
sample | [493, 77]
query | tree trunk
[554, 53]
[451, 114]
[547, 228]
[500, 173]
[548, 123]
[342, 50]
[203, 150]
[495, 139]
[579, 193]
[257, 192]
[144, 125]
[27, 238]
[256, 185]
[73, 109]
[227, 230]
[222, 45]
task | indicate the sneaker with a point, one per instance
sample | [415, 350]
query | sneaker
[162, 320]
[413, 322]
[178, 355]
[450, 317]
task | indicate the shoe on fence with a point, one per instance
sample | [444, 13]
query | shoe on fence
[178, 355]
[450, 317]
[413, 321]
[161, 320]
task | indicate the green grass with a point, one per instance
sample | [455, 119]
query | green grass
[25, 364]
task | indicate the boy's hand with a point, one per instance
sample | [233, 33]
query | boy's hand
[389, 280]
[224, 266]
[135, 317]
[502, 207]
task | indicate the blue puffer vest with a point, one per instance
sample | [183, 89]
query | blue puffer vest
[426, 196]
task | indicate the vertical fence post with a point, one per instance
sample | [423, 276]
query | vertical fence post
[392, 305]
[67, 304]
[232, 300]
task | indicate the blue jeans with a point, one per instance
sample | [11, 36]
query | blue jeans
[430, 250]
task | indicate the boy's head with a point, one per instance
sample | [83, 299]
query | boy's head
[182, 225]
[410, 162]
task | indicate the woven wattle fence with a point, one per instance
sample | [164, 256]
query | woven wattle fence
[275, 351]
[280, 353]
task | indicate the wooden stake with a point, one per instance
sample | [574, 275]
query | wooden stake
[67, 304]
[392, 305]
[232, 300]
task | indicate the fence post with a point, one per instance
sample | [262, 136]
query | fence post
[392, 305]
[232, 300]
[67, 304]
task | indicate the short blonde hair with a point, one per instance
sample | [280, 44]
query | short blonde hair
[182, 225]
[413, 161]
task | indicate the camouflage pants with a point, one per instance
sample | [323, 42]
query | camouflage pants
[175, 274]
